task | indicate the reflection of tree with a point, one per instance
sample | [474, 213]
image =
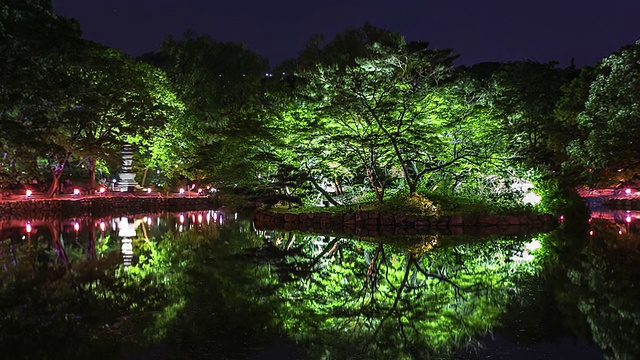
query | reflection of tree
[389, 302]
[601, 291]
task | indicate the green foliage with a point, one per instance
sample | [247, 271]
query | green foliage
[408, 204]
[609, 121]
[560, 200]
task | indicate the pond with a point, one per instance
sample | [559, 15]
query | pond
[208, 285]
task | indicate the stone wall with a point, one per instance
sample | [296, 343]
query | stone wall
[98, 206]
[367, 223]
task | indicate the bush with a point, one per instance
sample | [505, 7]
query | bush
[410, 205]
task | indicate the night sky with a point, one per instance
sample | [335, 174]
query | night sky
[488, 30]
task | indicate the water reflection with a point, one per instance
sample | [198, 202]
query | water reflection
[206, 284]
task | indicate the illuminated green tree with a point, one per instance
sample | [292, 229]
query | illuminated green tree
[222, 131]
[610, 117]
[375, 95]
[114, 101]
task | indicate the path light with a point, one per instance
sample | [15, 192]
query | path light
[148, 190]
[628, 219]
[28, 227]
[76, 192]
[102, 190]
[28, 192]
[76, 226]
[181, 191]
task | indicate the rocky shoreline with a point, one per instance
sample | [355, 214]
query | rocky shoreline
[370, 223]
[98, 206]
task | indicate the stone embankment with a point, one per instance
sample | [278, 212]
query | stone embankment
[98, 206]
[623, 203]
[368, 223]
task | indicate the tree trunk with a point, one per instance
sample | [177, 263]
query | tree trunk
[377, 189]
[144, 176]
[323, 192]
[55, 184]
[91, 164]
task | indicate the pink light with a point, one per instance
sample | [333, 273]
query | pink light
[591, 232]
[148, 190]
[628, 219]
[181, 191]
[76, 226]
[76, 192]
[103, 226]
[627, 191]
[28, 193]
[200, 218]
[181, 219]
[102, 190]
[28, 227]
[149, 222]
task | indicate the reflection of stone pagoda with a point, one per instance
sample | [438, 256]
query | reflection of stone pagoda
[127, 177]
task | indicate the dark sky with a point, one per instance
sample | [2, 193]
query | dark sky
[487, 30]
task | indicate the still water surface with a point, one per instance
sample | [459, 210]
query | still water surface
[208, 285]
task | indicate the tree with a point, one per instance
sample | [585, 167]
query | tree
[223, 129]
[374, 89]
[527, 93]
[610, 116]
[116, 100]
[36, 45]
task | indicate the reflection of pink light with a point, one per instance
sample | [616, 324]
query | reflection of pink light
[181, 219]
[28, 227]
[200, 218]
[149, 222]
[193, 218]
[102, 226]
[627, 191]
[76, 226]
